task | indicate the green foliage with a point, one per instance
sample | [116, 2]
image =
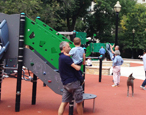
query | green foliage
[73, 11]
[135, 19]
[102, 22]
[69, 15]
[30, 7]
[49, 13]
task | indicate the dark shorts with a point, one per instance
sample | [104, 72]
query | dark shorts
[72, 90]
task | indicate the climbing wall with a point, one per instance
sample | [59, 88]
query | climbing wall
[43, 71]
[44, 40]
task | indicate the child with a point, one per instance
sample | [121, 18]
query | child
[89, 62]
[78, 54]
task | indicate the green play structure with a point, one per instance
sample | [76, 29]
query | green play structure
[95, 47]
[82, 36]
[44, 40]
[41, 58]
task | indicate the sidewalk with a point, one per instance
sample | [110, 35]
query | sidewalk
[138, 71]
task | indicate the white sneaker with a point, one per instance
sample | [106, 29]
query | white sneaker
[114, 85]
[142, 87]
[5, 76]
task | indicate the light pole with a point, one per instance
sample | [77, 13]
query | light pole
[117, 9]
[133, 31]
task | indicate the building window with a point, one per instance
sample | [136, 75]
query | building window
[143, 0]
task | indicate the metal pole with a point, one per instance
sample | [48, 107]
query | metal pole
[100, 70]
[132, 46]
[84, 77]
[20, 60]
[71, 107]
[34, 89]
[116, 36]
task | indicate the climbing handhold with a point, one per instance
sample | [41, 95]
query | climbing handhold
[44, 73]
[31, 63]
[61, 90]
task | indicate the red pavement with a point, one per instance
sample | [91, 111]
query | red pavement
[109, 101]
[135, 64]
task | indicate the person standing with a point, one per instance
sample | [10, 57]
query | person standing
[72, 86]
[102, 52]
[116, 48]
[110, 50]
[144, 63]
[117, 62]
[113, 52]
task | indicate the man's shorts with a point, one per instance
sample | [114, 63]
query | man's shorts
[72, 90]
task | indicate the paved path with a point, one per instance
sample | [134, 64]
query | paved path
[138, 71]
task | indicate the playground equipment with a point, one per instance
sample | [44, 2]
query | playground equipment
[109, 51]
[4, 38]
[81, 35]
[41, 57]
[10, 69]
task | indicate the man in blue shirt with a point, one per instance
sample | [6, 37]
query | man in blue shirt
[71, 82]
[102, 52]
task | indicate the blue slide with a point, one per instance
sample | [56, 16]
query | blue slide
[4, 37]
[109, 50]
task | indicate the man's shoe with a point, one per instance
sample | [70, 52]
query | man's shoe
[142, 87]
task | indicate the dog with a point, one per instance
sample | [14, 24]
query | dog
[130, 83]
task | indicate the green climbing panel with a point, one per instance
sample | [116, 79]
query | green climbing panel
[44, 40]
[88, 52]
[82, 36]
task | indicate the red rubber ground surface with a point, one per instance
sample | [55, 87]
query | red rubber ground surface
[109, 101]
[135, 64]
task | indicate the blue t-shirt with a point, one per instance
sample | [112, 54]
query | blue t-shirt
[77, 54]
[67, 73]
[102, 51]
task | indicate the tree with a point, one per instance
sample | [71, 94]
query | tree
[102, 22]
[49, 13]
[30, 7]
[135, 19]
[71, 11]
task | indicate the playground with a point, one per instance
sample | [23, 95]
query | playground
[35, 46]
[109, 101]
